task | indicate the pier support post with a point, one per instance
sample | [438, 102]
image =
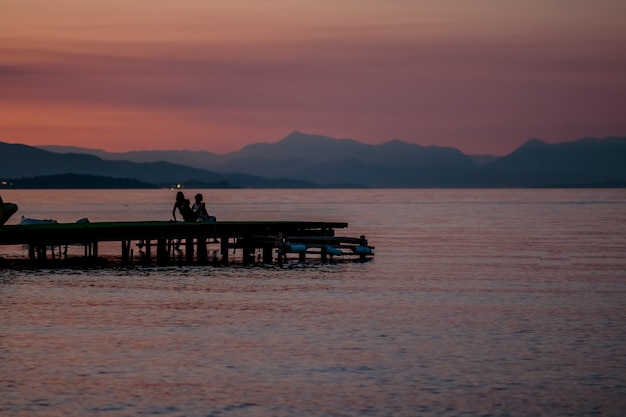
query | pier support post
[267, 254]
[126, 251]
[363, 242]
[41, 253]
[189, 250]
[148, 258]
[224, 249]
[203, 257]
[163, 254]
[248, 255]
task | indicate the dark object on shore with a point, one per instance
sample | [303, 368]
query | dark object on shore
[6, 211]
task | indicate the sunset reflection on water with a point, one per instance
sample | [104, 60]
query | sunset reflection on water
[478, 303]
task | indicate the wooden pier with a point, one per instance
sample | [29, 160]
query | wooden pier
[201, 243]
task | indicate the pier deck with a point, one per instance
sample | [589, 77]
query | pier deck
[201, 242]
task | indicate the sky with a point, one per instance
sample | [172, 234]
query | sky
[482, 76]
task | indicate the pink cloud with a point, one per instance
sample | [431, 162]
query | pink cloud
[475, 91]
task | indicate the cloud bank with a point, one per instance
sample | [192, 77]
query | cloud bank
[482, 78]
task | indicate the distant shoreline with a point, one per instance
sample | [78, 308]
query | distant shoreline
[92, 182]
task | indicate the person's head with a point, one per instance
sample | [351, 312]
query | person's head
[180, 196]
[199, 198]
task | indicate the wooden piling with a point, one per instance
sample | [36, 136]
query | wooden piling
[224, 249]
[189, 250]
[163, 257]
[203, 257]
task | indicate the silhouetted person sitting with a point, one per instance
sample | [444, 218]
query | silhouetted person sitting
[184, 207]
[200, 209]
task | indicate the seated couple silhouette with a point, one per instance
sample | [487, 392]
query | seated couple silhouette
[191, 213]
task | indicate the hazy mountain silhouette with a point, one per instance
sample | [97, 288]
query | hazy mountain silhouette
[313, 160]
[483, 159]
[194, 159]
[333, 162]
[587, 160]
[293, 150]
[22, 161]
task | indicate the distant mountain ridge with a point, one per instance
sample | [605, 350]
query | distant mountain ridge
[296, 145]
[22, 161]
[305, 160]
[321, 160]
[587, 157]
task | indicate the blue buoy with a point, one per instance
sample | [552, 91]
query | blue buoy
[297, 247]
[331, 250]
[362, 250]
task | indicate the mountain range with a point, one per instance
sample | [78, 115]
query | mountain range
[305, 161]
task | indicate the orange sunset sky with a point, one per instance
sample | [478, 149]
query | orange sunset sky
[482, 75]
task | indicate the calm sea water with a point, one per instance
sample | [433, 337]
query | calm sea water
[478, 303]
